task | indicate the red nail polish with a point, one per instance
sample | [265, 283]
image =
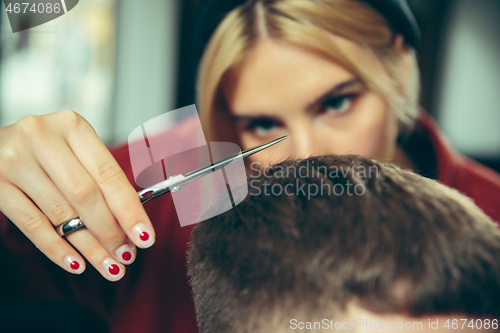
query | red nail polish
[126, 256]
[114, 269]
[74, 265]
[144, 236]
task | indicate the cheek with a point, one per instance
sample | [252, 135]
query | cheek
[370, 130]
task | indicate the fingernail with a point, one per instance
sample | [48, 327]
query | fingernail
[125, 254]
[114, 270]
[143, 235]
[75, 265]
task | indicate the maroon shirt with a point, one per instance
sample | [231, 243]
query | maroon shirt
[467, 176]
[154, 295]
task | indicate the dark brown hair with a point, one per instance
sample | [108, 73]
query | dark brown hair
[405, 244]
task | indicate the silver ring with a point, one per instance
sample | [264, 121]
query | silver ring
[69, 226]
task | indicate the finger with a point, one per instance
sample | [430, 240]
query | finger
[96, 254]
[33, 223]
[36, 184]
[119, 194]
[81, 192]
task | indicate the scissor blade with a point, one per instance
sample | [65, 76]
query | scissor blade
[176, 182]
[229, 160]
[254, 150]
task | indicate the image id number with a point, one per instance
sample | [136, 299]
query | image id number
[26, 7]
[474, 324]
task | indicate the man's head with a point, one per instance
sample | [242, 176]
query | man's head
[335, 237]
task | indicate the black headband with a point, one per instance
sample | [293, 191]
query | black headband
[211, 12]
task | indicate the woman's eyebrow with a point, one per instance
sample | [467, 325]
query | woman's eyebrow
[240, 119]
[333, 91]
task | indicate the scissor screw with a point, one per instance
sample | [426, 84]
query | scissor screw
[176, 188]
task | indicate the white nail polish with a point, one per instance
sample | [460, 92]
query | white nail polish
[143, 235]
[75, 266]
[125, 254]
[113, 269]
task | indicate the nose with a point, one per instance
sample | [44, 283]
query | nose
[301, 141]
[307, 140]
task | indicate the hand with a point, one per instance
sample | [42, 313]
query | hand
[54, 168]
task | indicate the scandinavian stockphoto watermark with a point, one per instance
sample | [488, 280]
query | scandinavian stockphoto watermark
[353, 176]
[159, 149]
[371, 325]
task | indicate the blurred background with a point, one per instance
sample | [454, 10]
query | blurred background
[121, 63]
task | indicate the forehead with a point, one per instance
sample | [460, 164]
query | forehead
[277, 75]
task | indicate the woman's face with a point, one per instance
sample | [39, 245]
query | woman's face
[284, 89]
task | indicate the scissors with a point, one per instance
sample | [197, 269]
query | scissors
[175, 183]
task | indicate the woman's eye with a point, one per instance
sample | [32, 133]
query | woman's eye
[338, 105]
[262, 127]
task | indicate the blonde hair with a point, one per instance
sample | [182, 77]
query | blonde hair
[307, 23]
